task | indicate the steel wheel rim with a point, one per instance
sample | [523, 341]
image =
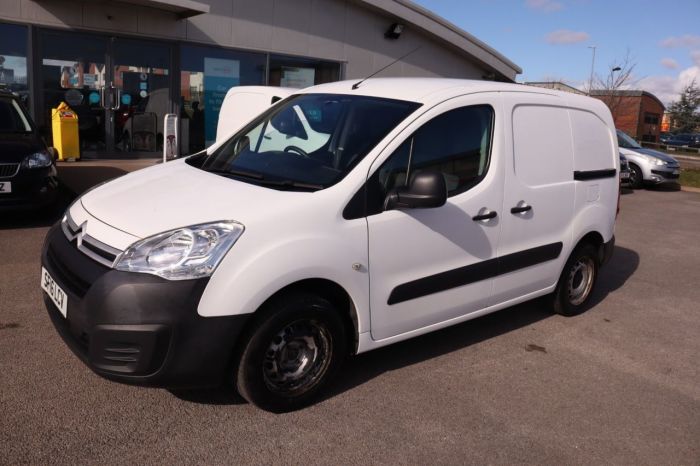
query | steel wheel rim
[580, 280]
[297, 357]
[634, 176]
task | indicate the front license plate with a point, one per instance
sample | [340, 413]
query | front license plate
[57, 295]
[676, 172]
[624, 175]
[5, 187]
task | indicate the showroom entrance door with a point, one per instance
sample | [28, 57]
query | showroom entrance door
[120, 89]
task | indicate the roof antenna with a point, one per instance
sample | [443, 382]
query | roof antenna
[357, 84]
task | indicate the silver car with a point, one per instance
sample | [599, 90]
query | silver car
[647, 166]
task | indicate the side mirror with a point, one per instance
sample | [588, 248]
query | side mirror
[426, 189]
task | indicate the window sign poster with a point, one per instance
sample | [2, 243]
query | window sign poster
[220, 75]
[297, 77]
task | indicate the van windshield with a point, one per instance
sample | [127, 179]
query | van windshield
[12, 117]
[309, 141]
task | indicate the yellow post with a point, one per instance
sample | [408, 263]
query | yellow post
[64, 125]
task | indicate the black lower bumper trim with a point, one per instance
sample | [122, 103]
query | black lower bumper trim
[138, 328]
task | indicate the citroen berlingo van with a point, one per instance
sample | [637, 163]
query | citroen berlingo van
[411, 205]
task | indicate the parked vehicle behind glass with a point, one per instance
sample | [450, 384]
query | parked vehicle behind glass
[28, 177]
[647, 166]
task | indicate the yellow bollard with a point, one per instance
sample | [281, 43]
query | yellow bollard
[64, 125]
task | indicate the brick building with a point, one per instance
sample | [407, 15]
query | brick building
[637, 113]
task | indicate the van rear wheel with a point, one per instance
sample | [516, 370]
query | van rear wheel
[293, 349]
[576, 281]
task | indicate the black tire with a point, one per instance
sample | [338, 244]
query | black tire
[274, 372]
[636, 180]
[577, 281]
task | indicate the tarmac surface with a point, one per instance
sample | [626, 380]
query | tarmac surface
[619, 384]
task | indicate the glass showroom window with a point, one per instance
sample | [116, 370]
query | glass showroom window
[301, 72]
[13, 60]
[207, 74]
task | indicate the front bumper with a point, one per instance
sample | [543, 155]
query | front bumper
[137, 328]
[30, 189]
[663, 175]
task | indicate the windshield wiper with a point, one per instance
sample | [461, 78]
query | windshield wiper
[292, 184]
[261, 180]
[241, 173]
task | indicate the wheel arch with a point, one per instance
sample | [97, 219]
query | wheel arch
[595, 239]
[329, 290]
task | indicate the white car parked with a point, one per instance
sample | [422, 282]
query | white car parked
[431, 202]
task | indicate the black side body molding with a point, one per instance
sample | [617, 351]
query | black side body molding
[473, 273]
[594, 174]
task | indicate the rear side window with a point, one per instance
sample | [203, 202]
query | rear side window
[542, 145]
[456, 143]
[12, 118]
[593, 144]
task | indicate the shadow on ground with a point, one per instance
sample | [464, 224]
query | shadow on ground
[38, 218]
[79, 178]
[665, 187]
[364, 367]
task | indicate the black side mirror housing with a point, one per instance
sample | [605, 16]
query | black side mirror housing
[426, 189]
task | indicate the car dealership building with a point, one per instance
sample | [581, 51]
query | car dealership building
[122, 65]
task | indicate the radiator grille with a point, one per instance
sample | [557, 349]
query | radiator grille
[8, 170]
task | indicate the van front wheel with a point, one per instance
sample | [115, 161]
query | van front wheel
[576, 282]
[294, 348]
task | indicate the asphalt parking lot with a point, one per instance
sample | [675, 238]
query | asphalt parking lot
[619, 384]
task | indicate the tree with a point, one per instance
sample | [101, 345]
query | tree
[609, 88]
[684, 111]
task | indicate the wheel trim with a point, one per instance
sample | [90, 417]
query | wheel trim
[297, 358]
[580, 280]
[635, 176]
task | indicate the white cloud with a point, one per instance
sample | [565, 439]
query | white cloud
[695, 55]
[544, 5]
[565, 36]
[669, 63]
[667, 88]
[686, 40]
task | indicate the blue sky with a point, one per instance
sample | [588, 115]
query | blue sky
[549, 39]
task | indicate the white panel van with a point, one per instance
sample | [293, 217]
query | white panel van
[340, 220]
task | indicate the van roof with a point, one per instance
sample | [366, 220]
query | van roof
[425, 90]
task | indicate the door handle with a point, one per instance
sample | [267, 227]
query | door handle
[520, 209]
[488, 215]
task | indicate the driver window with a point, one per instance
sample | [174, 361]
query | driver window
[456, 143]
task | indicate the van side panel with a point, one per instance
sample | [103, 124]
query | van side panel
[597, 163]
[539, 177]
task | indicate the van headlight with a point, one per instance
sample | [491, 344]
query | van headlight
[182, 254]
[41, 159]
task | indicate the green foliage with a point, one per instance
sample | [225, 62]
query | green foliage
[684, 112]
[690, 178]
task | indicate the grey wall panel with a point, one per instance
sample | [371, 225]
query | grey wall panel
[327, 31]
[215, 27]
[291, 21]
[57, 13]
[340, 30]
[11, 8]
[160, 23]
[251, 24]
[110, 17]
